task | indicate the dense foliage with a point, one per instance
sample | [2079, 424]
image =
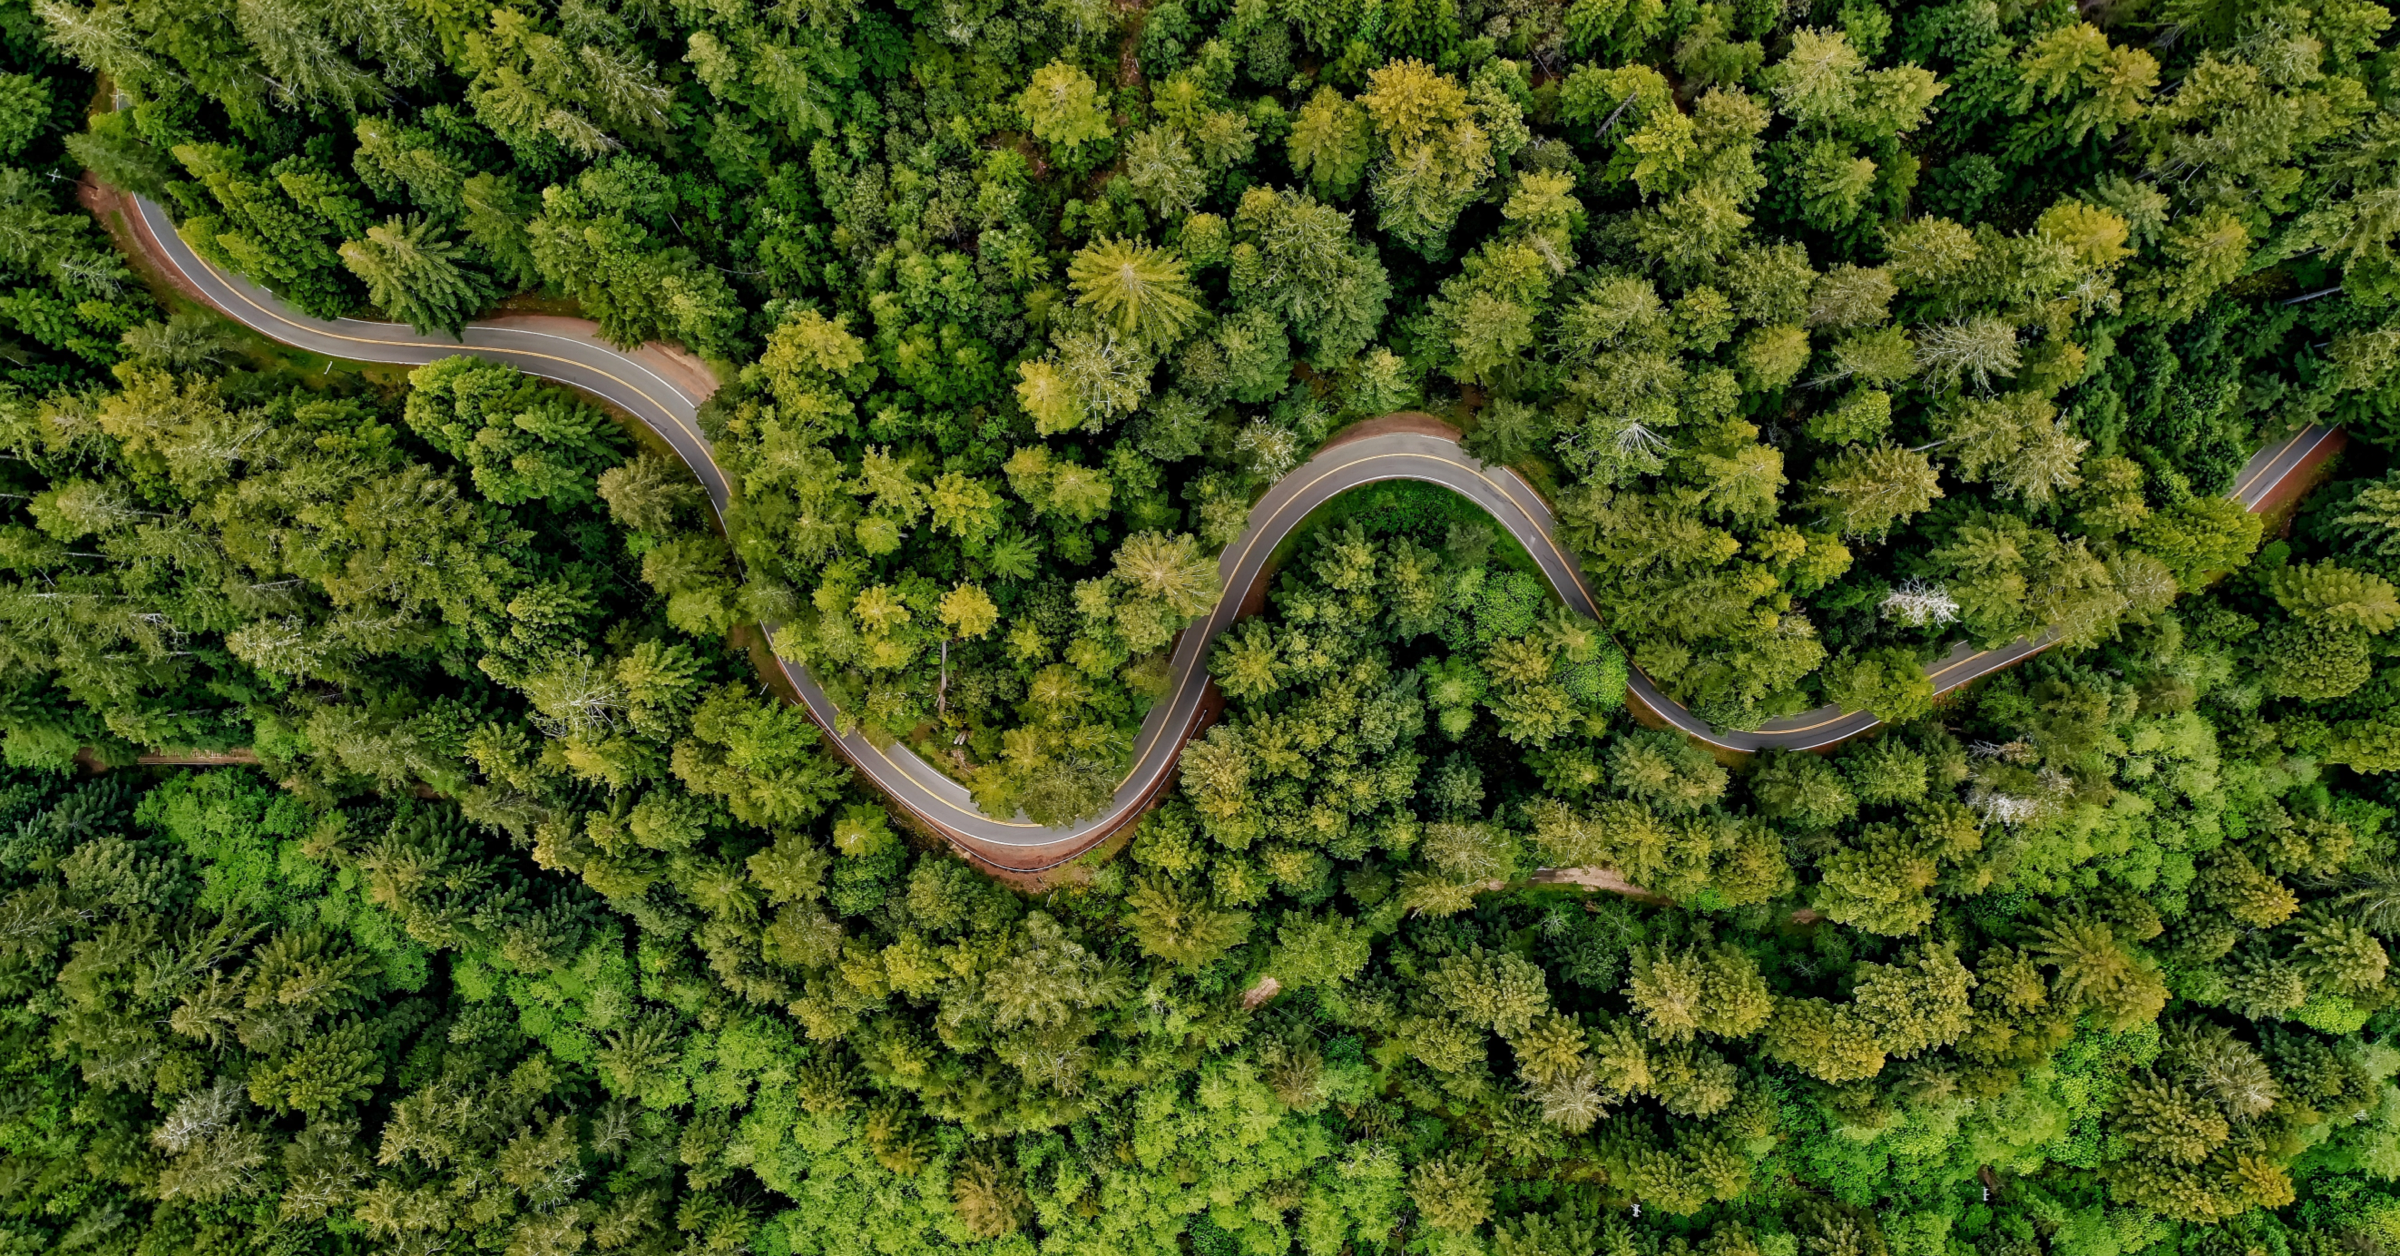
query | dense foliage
[1835, 333]
[1023, 305]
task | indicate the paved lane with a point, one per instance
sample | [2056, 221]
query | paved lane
[645, 385]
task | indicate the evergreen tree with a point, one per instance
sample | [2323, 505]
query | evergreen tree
[413, 274]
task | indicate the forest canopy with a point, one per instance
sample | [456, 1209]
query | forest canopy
[513, 911]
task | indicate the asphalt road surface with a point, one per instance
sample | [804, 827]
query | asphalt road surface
[645, 384]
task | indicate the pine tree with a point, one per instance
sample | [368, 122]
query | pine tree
[2158, 1118]
[186, 341]
[1436, 155]
[1865, 492]
[1452, 1193]
[1975, 350]
[1715, 991]
[1330, 143]
[1160, 166]
[1181, 927]
[2330, 594]
[1061, 106]
[1916, 1005]
[1140, 290]
[990, 1199]
[969, 612]
[1889, 682]
[1830, 1043]
[2095, 970]
[1244, 662]
[413, 274]
[495, 216]
[1801, 788]
[1171, 569]
[25, 111]
[2338, 955]
[2200, 534]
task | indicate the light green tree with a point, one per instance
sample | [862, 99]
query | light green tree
[2200, 534]
[1182, 927]
[1330, 143]
[1435, 155]
[1139, 290]
[1062, 106]
[2328, 593]
[968, 611]
[415, 275]
[1171, 569]
[1889, 683]
[1866, 492]
[1160, 166]
[1453, 1193]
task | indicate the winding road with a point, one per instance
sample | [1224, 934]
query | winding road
[663, 390]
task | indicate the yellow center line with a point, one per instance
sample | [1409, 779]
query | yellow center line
[935, 794]
[2280, 453]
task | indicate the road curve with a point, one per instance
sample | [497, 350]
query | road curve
[647, 384]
